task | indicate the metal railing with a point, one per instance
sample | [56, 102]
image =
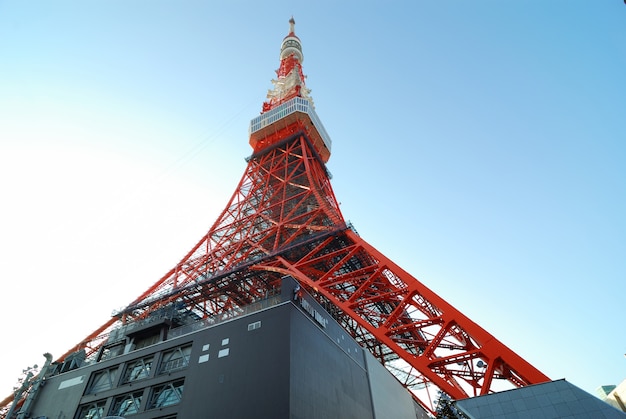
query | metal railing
[297, 104]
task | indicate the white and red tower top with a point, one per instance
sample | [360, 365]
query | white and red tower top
[289, 107]
[290, 81]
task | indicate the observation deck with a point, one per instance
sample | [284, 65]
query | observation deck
[293, 114]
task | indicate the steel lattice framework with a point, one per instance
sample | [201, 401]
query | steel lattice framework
[284, 219]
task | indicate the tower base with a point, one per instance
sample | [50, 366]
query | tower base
[283, 357]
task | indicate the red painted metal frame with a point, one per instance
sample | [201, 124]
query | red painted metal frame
[284, 219]
[287, 65]
[397, 317]
[285, 194]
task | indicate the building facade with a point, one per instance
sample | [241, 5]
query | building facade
[284, 357]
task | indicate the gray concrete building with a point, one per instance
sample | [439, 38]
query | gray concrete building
[284, 357]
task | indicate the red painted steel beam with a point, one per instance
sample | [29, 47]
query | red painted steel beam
[446, 358]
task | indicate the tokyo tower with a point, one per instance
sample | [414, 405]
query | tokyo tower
[283, 220]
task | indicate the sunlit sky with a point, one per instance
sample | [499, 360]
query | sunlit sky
[478, 144]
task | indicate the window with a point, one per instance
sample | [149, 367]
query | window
[137, 370]
[146, 341]
[102, 381]
[111, 352]
[254, 326]
[166, 394]
[175, 359]
[127, 404]
[93, 410]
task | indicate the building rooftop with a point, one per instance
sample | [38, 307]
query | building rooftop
[554, 399]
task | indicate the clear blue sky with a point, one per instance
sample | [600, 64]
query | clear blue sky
[478, 144]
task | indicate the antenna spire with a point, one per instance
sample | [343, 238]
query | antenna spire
[292, 25]
[290, 80]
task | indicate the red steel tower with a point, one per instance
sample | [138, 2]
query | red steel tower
[284, 220]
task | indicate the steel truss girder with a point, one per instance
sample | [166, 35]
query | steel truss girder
[284, 219]
[284, 197]
[388, 308]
